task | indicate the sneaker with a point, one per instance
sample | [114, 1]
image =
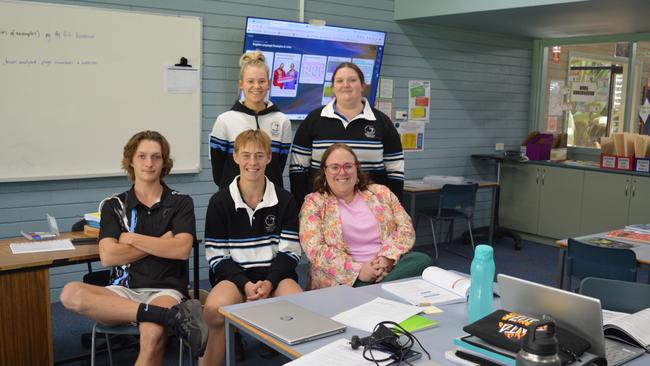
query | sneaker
[190, 326]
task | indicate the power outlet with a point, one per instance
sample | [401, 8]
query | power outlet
[499, 146]
[401, 115]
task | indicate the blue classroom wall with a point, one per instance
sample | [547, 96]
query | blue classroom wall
[479, 96]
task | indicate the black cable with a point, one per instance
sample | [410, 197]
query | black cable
[389, 341]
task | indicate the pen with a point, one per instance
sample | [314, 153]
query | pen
[80, 241]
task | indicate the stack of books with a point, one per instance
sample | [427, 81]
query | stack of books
[632, 233]
[92, 224]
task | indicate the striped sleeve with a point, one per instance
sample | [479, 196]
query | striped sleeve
[301, 152]
[219, 145]
[393, 159]
[217, 249]
[288, 256]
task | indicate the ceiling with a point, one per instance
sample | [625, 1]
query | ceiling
[585, 18]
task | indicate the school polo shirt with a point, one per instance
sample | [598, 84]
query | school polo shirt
[174, 212]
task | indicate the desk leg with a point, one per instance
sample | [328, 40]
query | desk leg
[493, 216]
[25, 319]
[230, 343]
[561, 264]
[412, 207]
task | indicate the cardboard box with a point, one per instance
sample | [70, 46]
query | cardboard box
[617, 162]
[642, 165]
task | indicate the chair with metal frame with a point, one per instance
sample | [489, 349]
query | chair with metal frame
[132, 329]
[456, 201]
[586, 260]
[615, 295]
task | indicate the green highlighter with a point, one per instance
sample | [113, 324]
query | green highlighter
[418, 322]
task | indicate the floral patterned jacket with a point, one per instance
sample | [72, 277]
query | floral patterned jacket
[321, 235]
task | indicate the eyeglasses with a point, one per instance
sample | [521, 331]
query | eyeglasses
[336, 168]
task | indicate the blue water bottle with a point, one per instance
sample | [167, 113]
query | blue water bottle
[480, 299]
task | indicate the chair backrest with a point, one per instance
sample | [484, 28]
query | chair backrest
[585, 260]
[628, 297]
[461, 197]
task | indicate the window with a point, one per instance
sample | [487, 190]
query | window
[584, 89]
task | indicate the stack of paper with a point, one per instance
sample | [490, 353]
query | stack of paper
[41, 246]
[92, 219]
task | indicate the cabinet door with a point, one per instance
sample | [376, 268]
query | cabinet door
[605, 201]
[519, 197]
[639, 212]
[560, 202]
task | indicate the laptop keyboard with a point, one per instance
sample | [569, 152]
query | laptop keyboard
[618, 353]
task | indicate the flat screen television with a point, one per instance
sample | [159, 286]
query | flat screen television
[302, 57]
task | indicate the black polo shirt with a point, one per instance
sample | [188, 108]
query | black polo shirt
[174, 212]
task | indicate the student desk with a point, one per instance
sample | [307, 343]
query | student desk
[422, 188]
[25, 319]
[331, 301]
[642, 256]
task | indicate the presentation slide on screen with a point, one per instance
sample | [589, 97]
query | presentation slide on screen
[302, 58]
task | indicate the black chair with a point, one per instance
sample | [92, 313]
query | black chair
[456, 201]
[585, 260]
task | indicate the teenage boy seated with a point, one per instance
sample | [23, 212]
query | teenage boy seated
[251, 239]
[146, 234]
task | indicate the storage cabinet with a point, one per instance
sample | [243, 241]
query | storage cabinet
[639, 212]
[540, 200]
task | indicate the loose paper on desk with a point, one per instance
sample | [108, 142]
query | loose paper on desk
[437, 286]
[366, 316]
[337, 353]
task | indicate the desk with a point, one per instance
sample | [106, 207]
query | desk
[422, 189]
[25, 319]
[333, 300]
[641, 250]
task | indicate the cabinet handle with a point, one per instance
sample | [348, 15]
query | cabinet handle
[633, 189]
[537, 176]
[626, 188]
[543, 175]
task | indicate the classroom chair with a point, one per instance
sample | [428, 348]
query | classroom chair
[623, 296]
[586, 260]
[456, 201]
[133, 330]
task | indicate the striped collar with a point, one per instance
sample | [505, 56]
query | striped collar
[330, 111]
[269, 199]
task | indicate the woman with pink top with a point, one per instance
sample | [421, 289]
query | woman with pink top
[353, 232]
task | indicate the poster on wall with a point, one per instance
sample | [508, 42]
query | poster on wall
[583, 92]
[419, 100]
[412, 135]
[555, 97]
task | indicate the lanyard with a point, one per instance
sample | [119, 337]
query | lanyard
[134, 220]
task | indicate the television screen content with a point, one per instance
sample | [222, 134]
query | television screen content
[302, 58]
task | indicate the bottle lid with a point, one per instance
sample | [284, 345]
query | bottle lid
[483, 251]
[540, 339]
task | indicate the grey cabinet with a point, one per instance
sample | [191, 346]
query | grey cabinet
[611, 201]
[605, 198]
[639, 212]
[540, 200]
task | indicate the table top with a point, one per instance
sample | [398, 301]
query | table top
[333, 300]
[11, 262]
[437, 186]
[641, 250]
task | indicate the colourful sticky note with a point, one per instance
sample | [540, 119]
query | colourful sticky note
[432, 310]
[418, 322]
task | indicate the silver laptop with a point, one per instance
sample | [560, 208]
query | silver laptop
[577, 313]
[289, 322]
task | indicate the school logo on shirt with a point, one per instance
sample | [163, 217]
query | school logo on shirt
[269, 221]
[369, 131]
[275, 129]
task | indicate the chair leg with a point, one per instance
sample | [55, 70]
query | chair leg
[433, 232]
[180, 352]
[109, 348]
[92, 346]
[471, 236]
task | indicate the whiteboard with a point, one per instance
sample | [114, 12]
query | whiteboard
[77, 82]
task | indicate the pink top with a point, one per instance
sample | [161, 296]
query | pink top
[360, 229]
